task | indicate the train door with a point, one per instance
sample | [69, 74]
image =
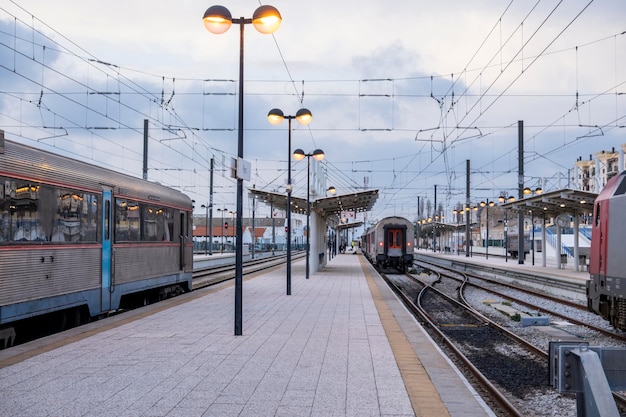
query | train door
[107, 249]
[394, 242]
[184, 235]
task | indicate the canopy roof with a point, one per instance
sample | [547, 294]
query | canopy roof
[553, 203]
[358, 202]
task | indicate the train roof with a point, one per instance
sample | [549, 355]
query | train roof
[391, 220]
[615, 186]
[29, 163]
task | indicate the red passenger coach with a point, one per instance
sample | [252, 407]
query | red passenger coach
[389, 243]
[606, 289]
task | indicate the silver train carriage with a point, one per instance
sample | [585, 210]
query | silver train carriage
[606, 288]
[80, 239]
[389, 243]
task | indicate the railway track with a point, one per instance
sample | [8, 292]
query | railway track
[546, 306]
[205, 277]
[542, 302]
[462, 330]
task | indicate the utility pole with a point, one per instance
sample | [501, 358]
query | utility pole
[520, 183]
[145, 149]
[467, 212]
[211, 210]
[435, 221]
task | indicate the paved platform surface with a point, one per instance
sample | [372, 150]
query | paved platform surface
[340, 345]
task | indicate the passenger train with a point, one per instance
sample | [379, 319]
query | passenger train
[80, 241]
[389, 243]
[606, 289]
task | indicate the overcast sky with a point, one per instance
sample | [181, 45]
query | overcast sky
[402, 93]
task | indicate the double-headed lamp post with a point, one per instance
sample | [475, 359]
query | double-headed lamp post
[299, 155]
[487, 204]
[304, 117]
[217, 19]
[222, 210]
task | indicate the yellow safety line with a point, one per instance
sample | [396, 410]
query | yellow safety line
[424, 398]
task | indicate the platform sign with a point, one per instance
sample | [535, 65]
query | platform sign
[244, 169]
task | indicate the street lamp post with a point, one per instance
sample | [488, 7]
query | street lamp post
[217, 20]
[222, 210]
[276, 116]
[298, 155]
[456, 234]
[487, 205]
[234, 219]
[206, 229]
[503, 197]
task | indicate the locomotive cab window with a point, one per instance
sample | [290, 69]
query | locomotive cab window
[621, 188]
[35, 212]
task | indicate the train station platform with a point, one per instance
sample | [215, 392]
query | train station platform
[497, 259]
[340, 345]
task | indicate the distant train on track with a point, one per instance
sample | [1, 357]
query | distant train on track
[512, 243]
[606, 289]
[79, 241]
[389, 243]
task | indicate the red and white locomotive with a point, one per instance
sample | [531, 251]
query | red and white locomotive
[606, 289]
[389, 243]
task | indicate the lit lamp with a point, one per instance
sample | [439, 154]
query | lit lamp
[217, 19]
[299, 155]
[275, 117]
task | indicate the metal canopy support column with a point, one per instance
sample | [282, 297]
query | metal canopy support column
[558, 246]
[543, 241]
[314, 242]
[576, 237]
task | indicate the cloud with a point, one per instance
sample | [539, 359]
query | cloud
[401, 94]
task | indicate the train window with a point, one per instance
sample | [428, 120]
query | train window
[34, 212]
[139, 222]
[597, 211]
[127, 221]
[158, 224]
[107, 221]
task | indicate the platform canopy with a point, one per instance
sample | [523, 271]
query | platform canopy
[357, 202]
[554, 203]
[346, 226]
[298, 205]
[327, 206]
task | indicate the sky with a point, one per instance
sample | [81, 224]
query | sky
[402, 93]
